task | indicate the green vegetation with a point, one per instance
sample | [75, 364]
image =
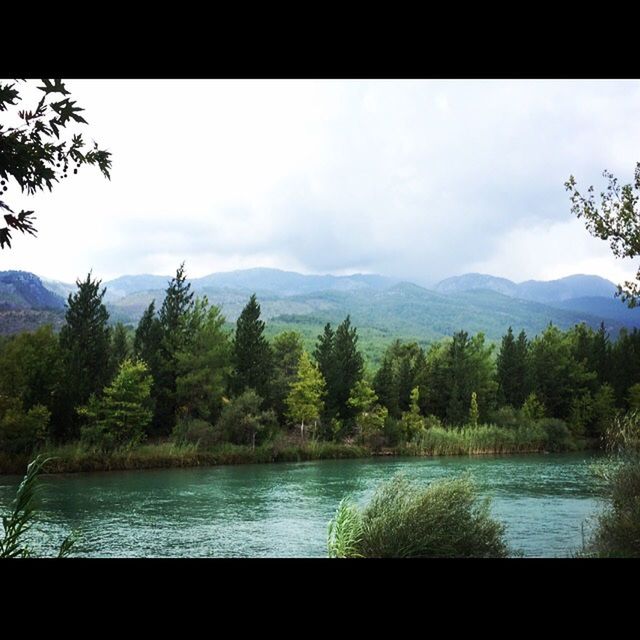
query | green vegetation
[616, 220]
[618, 528]
[36, 154]
[19, 521]
[185, 384]
[405, 520]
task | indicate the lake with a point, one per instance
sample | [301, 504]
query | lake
[282, 510]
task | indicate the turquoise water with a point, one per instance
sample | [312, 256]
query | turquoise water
[282, 510]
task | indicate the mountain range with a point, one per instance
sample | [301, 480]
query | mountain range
[382, 308]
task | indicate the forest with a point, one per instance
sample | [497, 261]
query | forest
[182, 379]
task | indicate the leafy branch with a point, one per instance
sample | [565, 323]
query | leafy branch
[36, 155]
[617, 220]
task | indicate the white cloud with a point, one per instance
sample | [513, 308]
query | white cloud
[418, 179]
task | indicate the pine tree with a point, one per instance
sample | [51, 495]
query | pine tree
[203, 367]
[412, 424]
[175, 318]
[287, 351]
[147, 341]
[252, 353]
[305, 397]
[506, 369]
[85, 345]
[385, 387]
[123, 413]
[349, 367]
[325, 358]
[119, 347]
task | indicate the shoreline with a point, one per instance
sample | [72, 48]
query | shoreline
[166, 455]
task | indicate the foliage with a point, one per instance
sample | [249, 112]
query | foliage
[21, 431]
[558, 435]
[31, 367]
[252, 355]
[412, 424]
[370, 417]
[532, 408]
[203, 366]
[474, 414]
[35, 154]
[120, 417]
[177, 313]
[85, 346]
[617, 220]
[345, 531]
[287, 350]
[243, 421]
[633, 396]
[20, 520]
[304, 401]
[196, 431]
[617, 533]
[405, 520]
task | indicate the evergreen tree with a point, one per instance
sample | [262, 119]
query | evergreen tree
[412, 424]
[304, 401]
[287, 351]
[203, 367]
[325, 358]
[385, 387]
[147, 341]
[176, 315]
[123, 413]
[119, 347]
[349, 367]
[85, 345]
[252, 353]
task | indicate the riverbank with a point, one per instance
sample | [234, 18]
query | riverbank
[483, 440]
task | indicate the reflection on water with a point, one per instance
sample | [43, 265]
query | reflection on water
[282, 510]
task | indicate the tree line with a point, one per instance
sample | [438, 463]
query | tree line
[181, 373]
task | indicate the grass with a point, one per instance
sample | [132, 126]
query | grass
[437, 441]
[406, 520]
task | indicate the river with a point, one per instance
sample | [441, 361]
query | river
[282, 510]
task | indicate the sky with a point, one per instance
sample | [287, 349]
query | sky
[419, 180]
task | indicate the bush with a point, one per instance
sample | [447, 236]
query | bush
[508, 417]
[617, 533]
[558, 435]
[120, 417]
[405, 520]
[21, 431]
[196, 431]
[244, 422]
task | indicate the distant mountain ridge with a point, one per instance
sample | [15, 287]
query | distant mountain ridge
[383, 307]
[24, 290]
[560, 290]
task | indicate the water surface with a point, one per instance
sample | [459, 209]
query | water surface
[282, 510]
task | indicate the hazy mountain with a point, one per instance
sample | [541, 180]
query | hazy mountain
[577, 286]
[24, 290]
[282, 283]
[472, 281]
[381, 308]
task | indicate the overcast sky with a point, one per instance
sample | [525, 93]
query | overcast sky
[415, 179]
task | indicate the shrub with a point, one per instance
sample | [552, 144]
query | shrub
[557, 433]
[119, 418]
[196, 431]
[617, 533]
[244, 422]
[21, 431]
[405, 520]
[508, 417]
